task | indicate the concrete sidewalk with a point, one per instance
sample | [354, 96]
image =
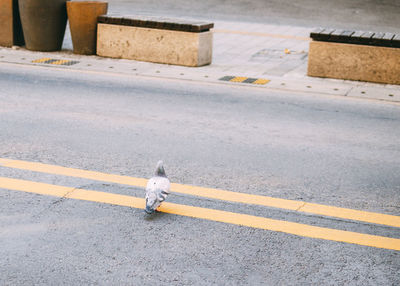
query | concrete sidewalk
[276, 53]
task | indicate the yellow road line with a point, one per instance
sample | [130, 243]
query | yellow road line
[204, 213]
[300, 206]
[258, 34]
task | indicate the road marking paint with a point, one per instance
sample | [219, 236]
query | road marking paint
[71, 172]
[279, 36]
[299, 206]
[204, 213]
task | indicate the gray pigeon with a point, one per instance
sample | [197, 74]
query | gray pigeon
[157, 189]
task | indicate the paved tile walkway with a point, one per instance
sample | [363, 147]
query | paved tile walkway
[274, 52]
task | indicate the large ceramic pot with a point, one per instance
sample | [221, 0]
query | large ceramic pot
[82, 18]
[10, 25]
[43, 24]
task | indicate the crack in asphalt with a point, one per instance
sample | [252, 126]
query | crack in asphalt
[65, 196]
[298, 209]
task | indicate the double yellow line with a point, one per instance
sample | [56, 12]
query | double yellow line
[204, 213]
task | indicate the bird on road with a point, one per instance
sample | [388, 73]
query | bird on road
[157, 189]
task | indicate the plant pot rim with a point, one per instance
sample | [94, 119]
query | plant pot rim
[69, 3]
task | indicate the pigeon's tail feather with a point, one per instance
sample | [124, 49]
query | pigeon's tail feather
[160, 169]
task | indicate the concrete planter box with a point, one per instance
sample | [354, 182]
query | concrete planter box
[156, 40]
[82, 18]
[355, 55]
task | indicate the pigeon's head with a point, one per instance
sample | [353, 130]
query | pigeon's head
[160, 172]
[151, 203]
[148, 210]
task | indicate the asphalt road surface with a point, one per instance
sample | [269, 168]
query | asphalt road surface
[333, 151]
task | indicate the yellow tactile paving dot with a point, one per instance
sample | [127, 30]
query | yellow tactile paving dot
[238, 79]
[60, 62]
[55, 61]
[242, 79]
[261, 81]
[41, 60]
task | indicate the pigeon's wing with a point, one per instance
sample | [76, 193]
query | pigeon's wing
[158, 185]
[162, 195]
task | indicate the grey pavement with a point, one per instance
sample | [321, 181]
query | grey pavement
[278, 53]
[262, 39]
[373, 15]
